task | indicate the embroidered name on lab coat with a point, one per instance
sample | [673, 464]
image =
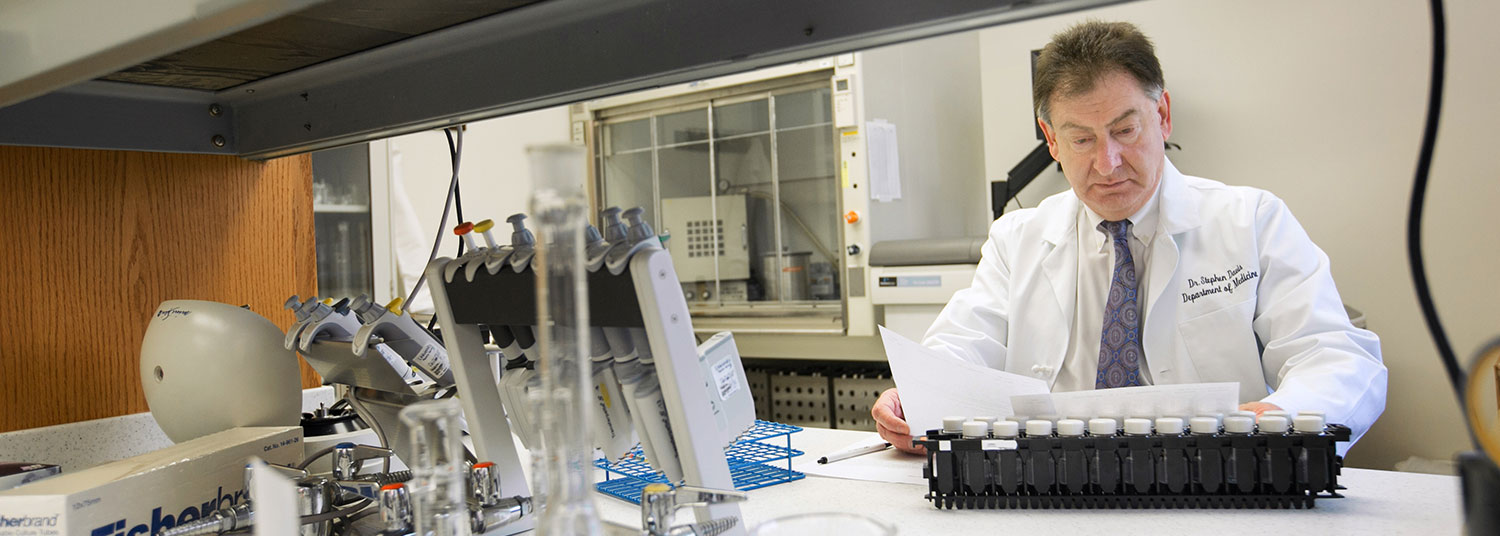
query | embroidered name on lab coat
[1227, 283]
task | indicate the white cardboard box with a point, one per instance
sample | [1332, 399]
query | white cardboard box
[140, 496]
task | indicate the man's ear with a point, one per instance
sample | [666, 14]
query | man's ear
[1164, 107]
[1050, 136]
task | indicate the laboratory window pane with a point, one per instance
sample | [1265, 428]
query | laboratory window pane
[344, 257]
[627, 136]
[742, 162]
[627, 182]
[806, 153]
[682, 127]
[810, 238]
[341, 221]
[683, 170]
[803, 108]
[741, 118]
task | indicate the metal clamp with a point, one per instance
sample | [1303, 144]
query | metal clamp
[659, 502]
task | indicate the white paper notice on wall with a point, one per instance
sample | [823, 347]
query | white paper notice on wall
[885, 160]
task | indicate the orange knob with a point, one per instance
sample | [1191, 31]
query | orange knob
[851, 217]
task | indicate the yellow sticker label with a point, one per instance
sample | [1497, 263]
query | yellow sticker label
[845, 173]
[604, 395]
[851, 132]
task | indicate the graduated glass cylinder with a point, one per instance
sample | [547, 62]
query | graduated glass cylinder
[438, 484]
[559, 206]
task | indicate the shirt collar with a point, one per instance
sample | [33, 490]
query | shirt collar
[1142, 223]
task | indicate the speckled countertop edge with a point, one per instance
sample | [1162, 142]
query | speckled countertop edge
[80, 445]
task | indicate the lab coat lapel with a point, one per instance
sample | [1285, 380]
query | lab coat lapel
[1060, 266]
[1177, 214]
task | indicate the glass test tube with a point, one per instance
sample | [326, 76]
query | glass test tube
[560, 205]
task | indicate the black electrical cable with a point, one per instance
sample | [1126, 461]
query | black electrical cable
[458, 198]
[1418, 196]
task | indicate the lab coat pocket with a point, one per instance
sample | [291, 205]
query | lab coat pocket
[1222, 347]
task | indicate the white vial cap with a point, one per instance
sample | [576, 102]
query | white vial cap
[1308, 424]
[1217, 417]
[1138, 427]
[1272, 424]
[987, 419]
[1204, 425]
[1322, 414]
[1275, 413]
[1038, 428]
[1103, 426]
[976, 429]
[1070, 428]
[1169, 425]
[1239, 424]
[1243, 413]
[1007, 429]
[953, 425]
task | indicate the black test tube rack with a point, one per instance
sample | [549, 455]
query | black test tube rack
[1119, 471]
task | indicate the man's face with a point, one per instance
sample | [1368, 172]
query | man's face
[1110, 144]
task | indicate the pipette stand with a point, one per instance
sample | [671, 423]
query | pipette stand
[645, 295]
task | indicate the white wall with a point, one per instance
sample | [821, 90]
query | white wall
[1322, 103]
[930, 90]
[494, 177]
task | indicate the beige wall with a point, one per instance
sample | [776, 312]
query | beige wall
[494, 178]
[1322, 103]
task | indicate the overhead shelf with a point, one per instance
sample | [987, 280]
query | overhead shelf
[273, 78]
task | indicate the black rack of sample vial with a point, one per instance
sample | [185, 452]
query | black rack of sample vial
[1215, 470]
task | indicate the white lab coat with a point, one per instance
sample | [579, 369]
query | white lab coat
[1275, 323]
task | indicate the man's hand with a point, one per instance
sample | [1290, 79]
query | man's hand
[890, 422]
[1257, 407]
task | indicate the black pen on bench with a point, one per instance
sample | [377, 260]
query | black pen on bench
[850, 453]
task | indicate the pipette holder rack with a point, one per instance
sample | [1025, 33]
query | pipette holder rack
[645, 294]
[373, 388]
[753, 463]
[1118, 471]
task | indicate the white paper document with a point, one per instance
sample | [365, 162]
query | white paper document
[933, 385]
[889, 465]
[885, 160]
[1184, 400]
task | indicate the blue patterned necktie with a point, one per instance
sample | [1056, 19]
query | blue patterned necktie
[1120, 348]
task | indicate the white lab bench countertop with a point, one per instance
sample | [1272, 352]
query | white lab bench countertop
[1376, 502]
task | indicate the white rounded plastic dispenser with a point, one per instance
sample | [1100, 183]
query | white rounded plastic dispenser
[207, 367]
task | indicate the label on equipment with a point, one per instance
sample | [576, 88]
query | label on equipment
[931, 281]
[432, 360]
[396, 361]
[997, 444]
[725, 378]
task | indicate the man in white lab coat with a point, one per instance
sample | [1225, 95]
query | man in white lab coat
[1231, 287]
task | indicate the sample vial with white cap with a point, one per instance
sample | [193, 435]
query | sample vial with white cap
[1006, 429]
[1239, 424]
[976, 429]
[1204, 425]
[1273, 424]
[1069, 428]
[954, 425]
[1321, 414]
[1169, 426]
[1038, 428]
[1103, 427]
[1138, 427]
[1308, 424]
[1276, 413]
